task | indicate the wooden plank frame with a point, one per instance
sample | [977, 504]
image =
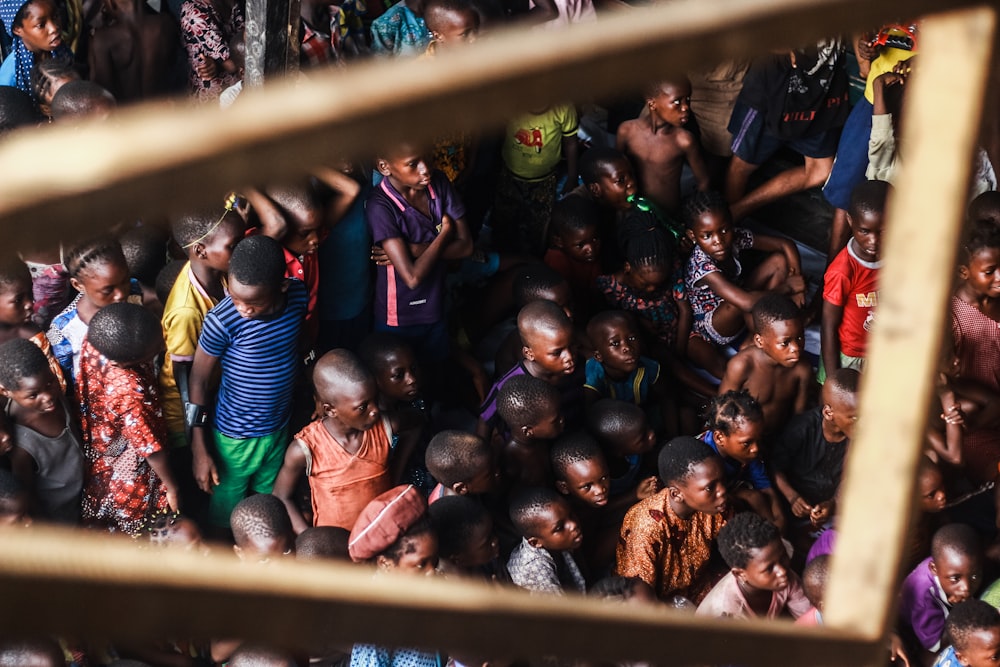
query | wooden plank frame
[83, 584]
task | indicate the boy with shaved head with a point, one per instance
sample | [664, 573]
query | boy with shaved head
[344, 453]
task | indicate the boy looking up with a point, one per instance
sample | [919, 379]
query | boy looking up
[543, 562]
[253, 334]
[974, 629]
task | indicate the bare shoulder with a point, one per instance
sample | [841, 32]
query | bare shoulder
[738, 370]
[803, 371]
[684, 138]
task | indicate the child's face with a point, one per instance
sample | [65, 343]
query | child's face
[959, 574]
[866, 229]
[306, 229]
[615, 184]
[40, 29]
[552, 349]
[782, 341]
[672, 104]
[354, 405]
[581, 245]
[704, 489]
[841, 409]
[982, 648]
[556, 529]
[217, 249]
[982, 273]
[645, 277]
[482, 548]
[712, 231]
[255, 302]
[17, 302]
[743, 441]
[407, 169]
[454, 27]
[930, 486]
[104, 283]
[588, 481]
[420, 556]
[37, 393]
[398, 376]
[767, 569]
[549, 427]
[617, 347]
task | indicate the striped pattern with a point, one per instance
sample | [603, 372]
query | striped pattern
[260, 359]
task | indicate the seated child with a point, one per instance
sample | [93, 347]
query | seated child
[127, 479]
[773, 369]
[814, 578]
[414, 206]
[543, 562]
[735, 422]
[574, 250]
[721, 296]
[529, 408]
[952, 574]
[532, 282]
[462, 463]
[175, 531]
[261, 529]
[807, 458]
[666, 539]
[98, 271]
[17, 308]
[850, 285]
[547, 354]
[467, 545]
[609, 185]
[973, 628]
[323, 543]
[533, 146]
[760, 582]
[623, 432]
[253, 335]
[46, 455]
[344, 454]
[659, 145]
[631, 590]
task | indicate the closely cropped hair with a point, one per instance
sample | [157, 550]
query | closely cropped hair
[967, 618]
[609, 419]
[145, 250]
[404, 543]
[642, 240]
[773, 307]
[20, 359]
[596, 161]
[101, 250]
[956, 538]
[455, 519]
[454, 456]
[13, 270]
[200, 226]
[979, 235]
[726, 409]
[323, 543]
[869, 197]
[123, 332]
[377, 346]
[525, 400]
[616, 588]
[573, 448]
[742, 535]
[260, 516]
[258, 261]
[528, 503]
[607, 318]
[573, 214]
[532, 281]
[679, 456]
[703, 202]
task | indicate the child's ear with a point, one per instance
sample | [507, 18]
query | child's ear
[675, 494]
[594, 189]
[598, 356]
[626, 268]
[963, 272]
[199, 251]
[689, 233]
[535, 542]
[758, 341]
[718, 436]
[527, 353]
[238, 551]
[557, 241]
[827, 412]
[329, 410]
[738, 572]
[76, 284]
[527, 431]
[383, 562]
[382, 166]
[562, 487]
[933, 567]
[461, 488]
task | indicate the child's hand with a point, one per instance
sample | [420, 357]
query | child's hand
[206, 67]
[954, 415]
[205, 472]
[647, 487]
[905, 67]
[379, 256]
[821, 513]
[896, 652]
[801, 508]
[447, 226]
[866, 50]
[172, 500]
[889, 79]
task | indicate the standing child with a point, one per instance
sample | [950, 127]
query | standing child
[416, 217]
[850, 285]
[530, 409]
[659, 144]
[16, 310]
[127, 478]
[760, 583]
[345, 453]
[721, 295]
[543, 562]
[526, 191]
[34, 29]
[98, 271]
[46, 456]
[253, 334]
[772, 369]
[735, 424]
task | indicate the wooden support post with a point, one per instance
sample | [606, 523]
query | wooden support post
[922, 233]
[272, 39]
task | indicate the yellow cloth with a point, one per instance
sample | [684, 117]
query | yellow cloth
[886, 60]
[533, 145]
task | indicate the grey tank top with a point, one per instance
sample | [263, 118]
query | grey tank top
[59, 470]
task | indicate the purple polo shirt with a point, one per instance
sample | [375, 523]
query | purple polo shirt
[391, 216]
[922, 605]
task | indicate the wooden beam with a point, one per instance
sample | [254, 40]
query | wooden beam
[155, 160]
[922, 232]
[78, 584]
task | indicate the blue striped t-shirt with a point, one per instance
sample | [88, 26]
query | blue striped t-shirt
[259, 361]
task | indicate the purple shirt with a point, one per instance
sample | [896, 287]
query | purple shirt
[923, 605]
[391, 216]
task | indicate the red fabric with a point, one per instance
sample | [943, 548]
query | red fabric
[852, 285]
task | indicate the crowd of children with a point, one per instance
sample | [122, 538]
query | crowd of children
[559, 358]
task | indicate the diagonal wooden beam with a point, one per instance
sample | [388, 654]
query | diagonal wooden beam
[924, 222]
[160, 159]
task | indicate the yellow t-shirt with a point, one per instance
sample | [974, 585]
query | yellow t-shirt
[533, 145]
[183, 316]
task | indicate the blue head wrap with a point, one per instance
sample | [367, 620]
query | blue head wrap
[24, 59]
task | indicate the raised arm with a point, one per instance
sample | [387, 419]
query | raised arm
[345, 189]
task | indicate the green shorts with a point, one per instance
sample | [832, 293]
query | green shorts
[857, 363]
[245, 464]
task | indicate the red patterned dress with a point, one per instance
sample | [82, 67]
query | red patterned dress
[122, 424]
